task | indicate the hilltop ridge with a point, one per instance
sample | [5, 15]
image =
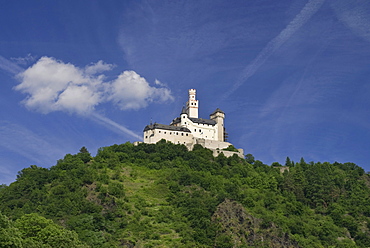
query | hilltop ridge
[162, 195]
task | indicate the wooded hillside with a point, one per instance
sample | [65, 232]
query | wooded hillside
[162, 195]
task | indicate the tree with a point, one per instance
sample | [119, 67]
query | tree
[84, 155]
[37, 231]
[9, 235]
[249, 158]
[288, 162]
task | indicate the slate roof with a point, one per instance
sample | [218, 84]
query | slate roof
[183, 111]
[217, 110]
[166, 127]
[203, 121]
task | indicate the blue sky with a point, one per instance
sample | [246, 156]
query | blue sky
[292, 76]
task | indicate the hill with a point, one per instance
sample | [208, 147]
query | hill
[162, 195]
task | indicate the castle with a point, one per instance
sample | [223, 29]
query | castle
[189, 129]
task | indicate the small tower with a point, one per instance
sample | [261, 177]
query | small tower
[183, 117]
[192, 104]
[218, 116]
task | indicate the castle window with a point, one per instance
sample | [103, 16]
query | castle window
[187, 134]
[200, 130]
[165, 132]
[177, 133]
[170, 133]
[183, 116]
[146, 137]
[182, 134]
[159, 131]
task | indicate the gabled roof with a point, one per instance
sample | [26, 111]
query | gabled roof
[195, 120]
[166, 127]
[203, 121]
[176, 120]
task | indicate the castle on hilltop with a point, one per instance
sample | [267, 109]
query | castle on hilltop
[189, 129]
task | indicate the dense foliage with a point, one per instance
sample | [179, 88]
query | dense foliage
[162, 195]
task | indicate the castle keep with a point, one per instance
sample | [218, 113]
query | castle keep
[189, 129]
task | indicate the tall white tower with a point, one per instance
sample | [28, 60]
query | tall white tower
[192, 104]
[219, 116]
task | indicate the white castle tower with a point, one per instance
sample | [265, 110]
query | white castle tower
[192, 104]
[218, 116]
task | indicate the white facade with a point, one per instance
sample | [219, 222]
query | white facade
[189, 130]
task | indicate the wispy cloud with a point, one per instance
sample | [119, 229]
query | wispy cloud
[303, 16]
[354, 15]
[114, 126]
[25, 143]
[9, 66]
[24, 60]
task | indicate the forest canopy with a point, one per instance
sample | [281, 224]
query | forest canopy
[162, 195]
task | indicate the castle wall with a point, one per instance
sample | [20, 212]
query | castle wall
[227, 153]
[200, 130]
[176, 137]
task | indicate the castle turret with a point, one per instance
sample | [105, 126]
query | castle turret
[183, 117]
[192, 104]
[219, 116]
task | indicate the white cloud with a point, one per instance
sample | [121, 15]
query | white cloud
[131, 91]
[98, 67]
[53, 85]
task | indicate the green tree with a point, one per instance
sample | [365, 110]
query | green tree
[288, 162]
[84, 155]
[10, 237]
[37, 230]
[249, 158]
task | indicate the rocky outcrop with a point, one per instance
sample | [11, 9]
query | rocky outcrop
[238, 228]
